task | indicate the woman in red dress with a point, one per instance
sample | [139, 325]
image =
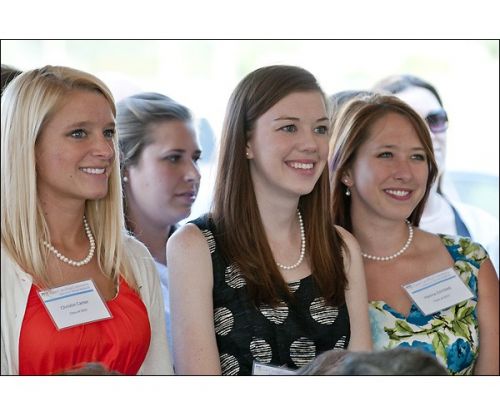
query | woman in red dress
[62, 227]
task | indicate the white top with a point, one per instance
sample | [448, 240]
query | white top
[16, 285]
[163, 272]
[482, 226]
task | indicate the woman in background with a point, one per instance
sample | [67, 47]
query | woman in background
[159, 162]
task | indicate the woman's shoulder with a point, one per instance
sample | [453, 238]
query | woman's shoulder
[459, 247]
[134, 246]
[464, 247]
[189, 236]
[348, 238]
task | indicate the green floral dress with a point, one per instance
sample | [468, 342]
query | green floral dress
[450, 335]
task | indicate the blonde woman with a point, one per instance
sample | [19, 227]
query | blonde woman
[75, 287]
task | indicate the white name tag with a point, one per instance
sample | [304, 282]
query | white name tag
[438, 291]
[75, 304]
[259, 369]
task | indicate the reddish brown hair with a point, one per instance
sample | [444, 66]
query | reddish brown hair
[351, 129]
[240, 232]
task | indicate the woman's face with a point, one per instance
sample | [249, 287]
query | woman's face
[427, 106]
[389, 174]
[74, 151]
[288, 147]
[163, 185]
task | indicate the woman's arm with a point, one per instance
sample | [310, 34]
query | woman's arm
[191, 303]
[487, 311]
[356, 295]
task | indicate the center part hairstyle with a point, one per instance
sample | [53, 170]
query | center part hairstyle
[28, 103]
[235, 213]
[351, 129]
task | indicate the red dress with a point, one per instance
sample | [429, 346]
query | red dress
[120, 343]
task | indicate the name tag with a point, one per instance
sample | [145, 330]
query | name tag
[438, 291]
[74, 304]
[259, 369]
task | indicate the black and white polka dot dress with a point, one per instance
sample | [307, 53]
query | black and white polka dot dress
[290, 334]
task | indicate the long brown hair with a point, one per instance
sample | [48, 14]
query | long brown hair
[351, 129]
[240, 232]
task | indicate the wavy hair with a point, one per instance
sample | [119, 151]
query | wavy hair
[28, 103]
[351, 129]
[235, 213]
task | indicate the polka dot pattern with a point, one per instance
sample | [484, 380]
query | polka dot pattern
[276, 315]
[323, 313]
[223, 321]
[210, 240]
[302, 351]
[229, 365]
[341, 344]
[291, 334]
[261, 350]
[233, 277]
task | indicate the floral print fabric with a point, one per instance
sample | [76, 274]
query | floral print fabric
[450, 335]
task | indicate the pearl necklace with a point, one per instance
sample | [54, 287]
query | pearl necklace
[302, 246]
[387, 258]
[75, 263]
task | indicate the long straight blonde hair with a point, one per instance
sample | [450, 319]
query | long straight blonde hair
[28, 103]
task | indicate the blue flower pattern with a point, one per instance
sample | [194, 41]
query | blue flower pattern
[459, 355]
[450, 335]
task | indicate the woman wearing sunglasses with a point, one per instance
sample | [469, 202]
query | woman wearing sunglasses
[440, 214]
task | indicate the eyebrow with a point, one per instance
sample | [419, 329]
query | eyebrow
[88, 123]
[182, 150]
[391, 146]
[298, 119]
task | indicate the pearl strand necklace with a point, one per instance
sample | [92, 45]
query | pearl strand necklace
[75, 263]
[302, 246]
[387, 258]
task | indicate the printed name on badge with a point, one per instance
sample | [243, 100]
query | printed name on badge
[438, 291]
[74, 304]
[259, 369]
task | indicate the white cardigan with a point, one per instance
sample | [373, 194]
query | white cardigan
[16, 285]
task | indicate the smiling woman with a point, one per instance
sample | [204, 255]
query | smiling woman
[61, 203]
[274, 282]
[382, 171]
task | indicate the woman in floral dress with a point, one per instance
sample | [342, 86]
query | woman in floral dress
[383, 167]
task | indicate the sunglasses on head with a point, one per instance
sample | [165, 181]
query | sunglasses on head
[437, 121]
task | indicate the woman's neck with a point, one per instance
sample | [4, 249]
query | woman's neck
[65, 223]
[278, 216]
[153, 237]
[380, 237]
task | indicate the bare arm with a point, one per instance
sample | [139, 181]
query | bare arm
[487, 311]
[191, 304]
[356, 295]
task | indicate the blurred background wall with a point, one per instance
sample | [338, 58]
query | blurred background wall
[201, 74]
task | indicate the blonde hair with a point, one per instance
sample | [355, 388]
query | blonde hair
[28, 103]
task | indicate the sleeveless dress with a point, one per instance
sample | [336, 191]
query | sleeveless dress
[288, 335]
[119, 344]
[451, 335]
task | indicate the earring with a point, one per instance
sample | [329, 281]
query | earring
[247, 154]
[125, 179]
[347, 192]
